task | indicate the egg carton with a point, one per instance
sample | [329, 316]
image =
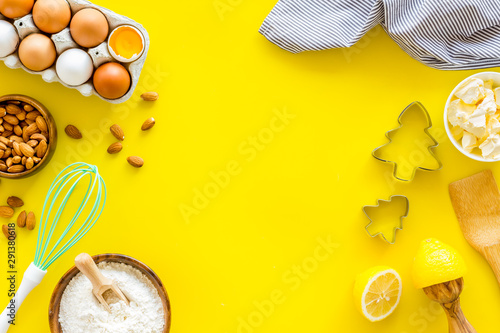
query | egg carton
[99, 54]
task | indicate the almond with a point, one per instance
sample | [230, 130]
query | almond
[26, 149]
[15, 201]
[135, 161]
[16, 148]
[21, 219]
[38, 137]
[73, 132]
[150, 96]
[5, 141]
[32, 143]
[9, 234]
[21, 116]
[32, 115]
[28, 108]
[148, 124]
[6, 211]
[16, 168]
[16, 138]
[41, 149]
[13, 109]
[41, 124]
[29, 163]
[11, 120]
[18, 130]
[3, 112]
[31, 129]
[117, 131]
[115, 148]
[30, 221]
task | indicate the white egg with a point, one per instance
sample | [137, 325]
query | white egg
[9, 38]
[74, 67]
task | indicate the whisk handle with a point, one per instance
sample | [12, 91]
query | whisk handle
[31, 278]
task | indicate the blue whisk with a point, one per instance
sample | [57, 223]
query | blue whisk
[61, 190]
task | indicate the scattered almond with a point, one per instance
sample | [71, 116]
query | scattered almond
[150, 96]
[117, 131]
[21, 219]
[6, 211]
[9, 234]
[115, 148]
[30, 221]
[15, 201]
[135, 161]
[148, 124]
[73, 132]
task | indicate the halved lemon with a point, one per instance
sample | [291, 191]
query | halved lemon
[377, 292]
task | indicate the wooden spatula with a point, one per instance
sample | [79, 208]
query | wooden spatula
[476, 201]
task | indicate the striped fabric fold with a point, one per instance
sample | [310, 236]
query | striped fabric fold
[443, 34]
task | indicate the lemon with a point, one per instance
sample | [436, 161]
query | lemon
[435, 263]
[377, 292]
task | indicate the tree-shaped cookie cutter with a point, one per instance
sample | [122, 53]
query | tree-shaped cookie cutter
[430, 148]
[396, 228]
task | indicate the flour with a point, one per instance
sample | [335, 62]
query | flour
[81, 312]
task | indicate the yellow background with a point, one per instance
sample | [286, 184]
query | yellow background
[220, 83]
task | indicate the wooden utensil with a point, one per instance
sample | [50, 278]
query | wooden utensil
[100, 283]
[476, 201]
[448, 295]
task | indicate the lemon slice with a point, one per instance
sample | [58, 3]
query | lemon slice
[377, 292]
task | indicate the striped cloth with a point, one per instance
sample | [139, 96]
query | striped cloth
[443, 34]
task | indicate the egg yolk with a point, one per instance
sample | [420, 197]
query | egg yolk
[126, 42]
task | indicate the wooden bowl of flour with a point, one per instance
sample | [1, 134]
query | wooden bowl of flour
[55, 300]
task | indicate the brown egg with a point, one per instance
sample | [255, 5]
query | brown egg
[37, 52]
[51, 16]
[15, 8]
[111, 80]
[89, 27]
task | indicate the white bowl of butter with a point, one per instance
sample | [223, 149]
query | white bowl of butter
[472, 117]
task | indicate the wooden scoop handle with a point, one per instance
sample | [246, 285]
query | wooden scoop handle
[456, 319]
[87, 266]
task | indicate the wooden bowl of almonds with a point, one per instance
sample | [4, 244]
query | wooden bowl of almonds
[28, 136]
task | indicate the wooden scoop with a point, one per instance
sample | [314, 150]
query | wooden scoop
[100, 283]
[476, 201]
[448, 295]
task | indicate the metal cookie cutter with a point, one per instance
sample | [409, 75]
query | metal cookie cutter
[405, 205]
[422, 150]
